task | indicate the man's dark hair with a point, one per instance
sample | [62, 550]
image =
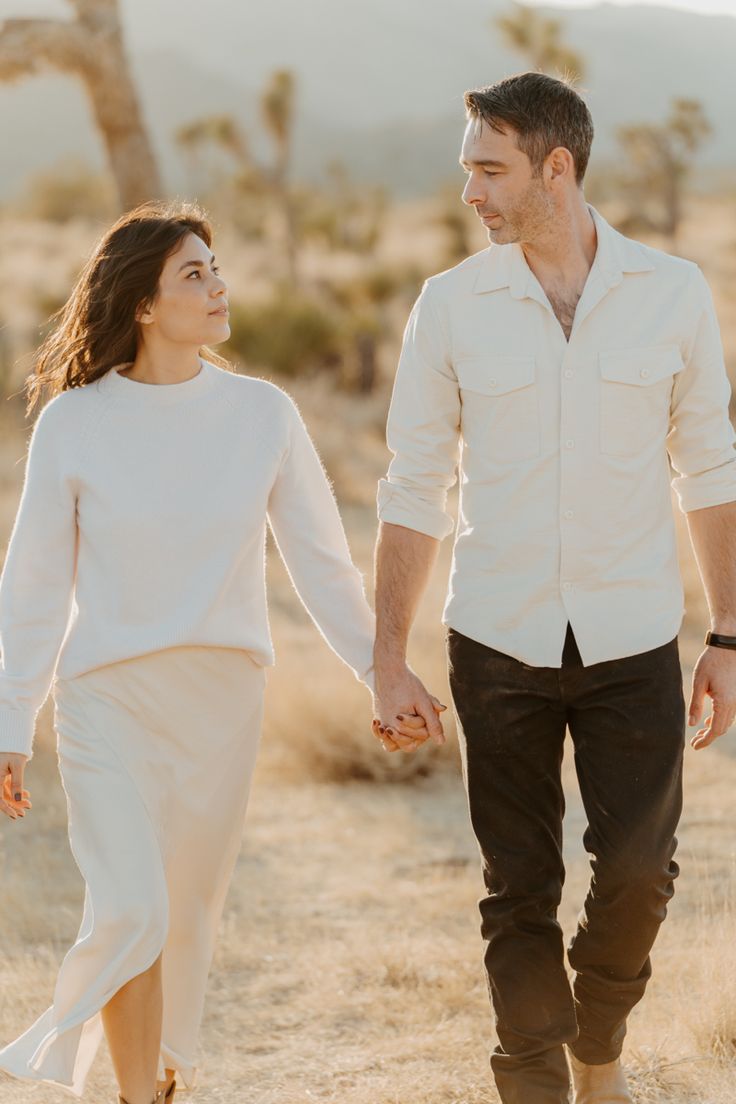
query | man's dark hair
[544, 112]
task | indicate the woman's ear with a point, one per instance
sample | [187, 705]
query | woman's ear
[143, 313]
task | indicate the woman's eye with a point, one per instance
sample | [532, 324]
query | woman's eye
[216, 270]
[194, 272]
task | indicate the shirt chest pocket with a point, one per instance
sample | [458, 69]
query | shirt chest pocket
[636, 391]
[500, 406]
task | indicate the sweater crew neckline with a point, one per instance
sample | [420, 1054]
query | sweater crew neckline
[160, 394]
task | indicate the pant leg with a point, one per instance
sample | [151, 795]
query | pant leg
[627, 721]
[512, 728]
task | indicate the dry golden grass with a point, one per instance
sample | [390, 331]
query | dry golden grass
[349, 967]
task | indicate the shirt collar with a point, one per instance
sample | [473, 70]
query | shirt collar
[506, 266]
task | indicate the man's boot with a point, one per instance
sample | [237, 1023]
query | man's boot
[604, 1084]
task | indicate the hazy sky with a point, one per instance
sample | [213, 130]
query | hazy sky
[705, 7]
[715, 7]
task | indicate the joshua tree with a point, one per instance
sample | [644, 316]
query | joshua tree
[91, 47]
[660, 156]
[221, 130]
[538, 38]
[277, 108]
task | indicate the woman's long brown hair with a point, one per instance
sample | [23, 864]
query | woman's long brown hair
[96, 328]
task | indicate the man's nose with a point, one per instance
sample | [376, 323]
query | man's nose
[470, 193]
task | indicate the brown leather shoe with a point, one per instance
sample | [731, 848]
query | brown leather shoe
[604, 1084]
[170, 1092]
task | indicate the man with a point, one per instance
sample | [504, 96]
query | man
[559, 367]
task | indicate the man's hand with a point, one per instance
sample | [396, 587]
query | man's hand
[714, 675]
[13, 799]
[405, 713]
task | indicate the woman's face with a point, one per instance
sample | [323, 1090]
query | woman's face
[190, 307]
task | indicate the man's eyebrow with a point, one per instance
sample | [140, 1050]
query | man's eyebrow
[487, 161]
[196, 264]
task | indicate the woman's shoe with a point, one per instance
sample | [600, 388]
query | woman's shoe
[161, 1097]
[158, 1098]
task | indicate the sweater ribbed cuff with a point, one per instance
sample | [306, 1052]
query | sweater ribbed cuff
[369, 679]
[16, 731]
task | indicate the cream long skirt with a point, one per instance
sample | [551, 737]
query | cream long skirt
[156, 755]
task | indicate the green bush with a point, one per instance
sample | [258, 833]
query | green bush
[291, 334]
[69, 190]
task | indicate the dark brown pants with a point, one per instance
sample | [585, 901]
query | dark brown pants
[626, 718]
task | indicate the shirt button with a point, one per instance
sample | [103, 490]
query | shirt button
[569, 443]
[491, 383]
[644, 373]
[569, 373]
[569, 514]
[567, 586]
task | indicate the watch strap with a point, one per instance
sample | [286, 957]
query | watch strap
[718, 640]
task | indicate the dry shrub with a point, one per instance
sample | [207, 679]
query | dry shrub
[654, 1078]
[709, 1002]
[318, 729]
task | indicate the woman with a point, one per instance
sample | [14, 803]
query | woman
[135, 576]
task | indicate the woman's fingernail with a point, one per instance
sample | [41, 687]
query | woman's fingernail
[18, 796]
[400, 716]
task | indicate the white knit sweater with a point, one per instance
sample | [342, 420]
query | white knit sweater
[142, 525]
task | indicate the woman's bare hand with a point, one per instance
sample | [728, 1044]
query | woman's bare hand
[405, 714]
[14, 799]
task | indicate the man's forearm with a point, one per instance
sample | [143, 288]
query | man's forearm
[713, 537]
[404, 562]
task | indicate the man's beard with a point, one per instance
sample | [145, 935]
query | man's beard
[528, 217]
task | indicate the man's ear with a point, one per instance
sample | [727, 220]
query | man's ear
[559, 163]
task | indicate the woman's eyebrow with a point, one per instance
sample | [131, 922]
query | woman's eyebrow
[196, 264]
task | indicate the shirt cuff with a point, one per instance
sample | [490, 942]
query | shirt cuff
[399, 506]
[16, 732]
[708, 488]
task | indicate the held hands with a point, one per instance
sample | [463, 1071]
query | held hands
[13, 799]
[405, 715]
[714, 675]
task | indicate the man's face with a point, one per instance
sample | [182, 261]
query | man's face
[511, 202]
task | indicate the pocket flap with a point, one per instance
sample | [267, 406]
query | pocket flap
[643, 366]
[494, 374]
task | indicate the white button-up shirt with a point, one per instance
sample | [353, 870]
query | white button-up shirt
[565, 511]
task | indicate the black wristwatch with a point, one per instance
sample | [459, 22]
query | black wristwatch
[719, 641]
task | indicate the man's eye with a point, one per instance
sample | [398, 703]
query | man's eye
[490, 172]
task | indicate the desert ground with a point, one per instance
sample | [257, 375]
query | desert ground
[349, 966]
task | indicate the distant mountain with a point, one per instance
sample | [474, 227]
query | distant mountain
[380, 83]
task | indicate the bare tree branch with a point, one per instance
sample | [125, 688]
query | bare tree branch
[91, 47]
[30, 45]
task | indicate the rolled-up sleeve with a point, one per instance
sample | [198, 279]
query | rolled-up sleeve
[423, 429]
[701, 438]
